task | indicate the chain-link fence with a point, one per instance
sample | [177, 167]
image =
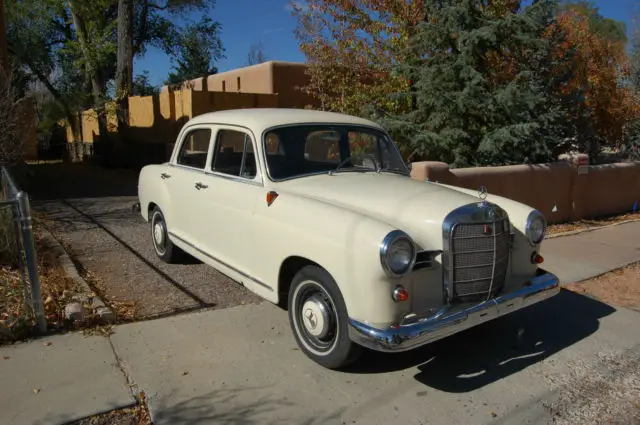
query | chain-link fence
[17, 250]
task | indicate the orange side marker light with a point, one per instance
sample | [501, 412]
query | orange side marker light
[271, 196]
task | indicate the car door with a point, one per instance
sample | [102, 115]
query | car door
[185, 179]
[234, 185]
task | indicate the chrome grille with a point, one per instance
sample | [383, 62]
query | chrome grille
[479, 259]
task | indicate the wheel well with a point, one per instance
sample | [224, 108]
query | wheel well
[150, 209]
[288, 270]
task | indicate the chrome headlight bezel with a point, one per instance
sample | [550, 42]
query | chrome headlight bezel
[534, 216]
[389, 240]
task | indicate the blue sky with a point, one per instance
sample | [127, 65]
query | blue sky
[248, 21]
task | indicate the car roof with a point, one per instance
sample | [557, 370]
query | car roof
[259, 119]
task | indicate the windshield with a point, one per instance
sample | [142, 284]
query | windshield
[294, 151]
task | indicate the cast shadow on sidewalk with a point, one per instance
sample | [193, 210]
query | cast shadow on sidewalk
[479, 356]
[238, 406]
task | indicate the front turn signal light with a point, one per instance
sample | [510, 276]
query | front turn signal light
[400, 294]
[537, 258]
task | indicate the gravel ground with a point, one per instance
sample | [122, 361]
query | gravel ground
[113, 244]
[605, 390]
[618, 287]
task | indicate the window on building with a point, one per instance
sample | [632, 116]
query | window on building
[238, 83]
[224, 85]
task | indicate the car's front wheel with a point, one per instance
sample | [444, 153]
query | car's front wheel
[318, 317]
[164, 248]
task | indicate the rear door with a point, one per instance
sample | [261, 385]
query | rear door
[234, 185]
[185, 179]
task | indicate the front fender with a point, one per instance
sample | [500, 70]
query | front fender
[343, 242]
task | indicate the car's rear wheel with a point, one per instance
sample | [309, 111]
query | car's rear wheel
[319, 321]
[162, 245]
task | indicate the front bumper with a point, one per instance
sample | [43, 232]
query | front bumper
[453, 319]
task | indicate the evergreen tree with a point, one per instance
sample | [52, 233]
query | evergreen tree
[485, 91]
[199, 49]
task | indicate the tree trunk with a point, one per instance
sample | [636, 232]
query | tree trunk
[98, 86]
[124, 71]
[4, 56]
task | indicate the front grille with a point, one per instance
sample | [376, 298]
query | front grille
[480, 258]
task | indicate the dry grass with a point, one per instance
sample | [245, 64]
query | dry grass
[56, 289]
[588, 224]
[619, 287]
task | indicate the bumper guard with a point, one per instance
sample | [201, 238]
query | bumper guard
[453, 319]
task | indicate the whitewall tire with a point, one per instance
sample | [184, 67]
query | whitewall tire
[319, 320]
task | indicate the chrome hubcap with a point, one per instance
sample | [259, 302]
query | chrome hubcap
[315, 317]
[158, 234]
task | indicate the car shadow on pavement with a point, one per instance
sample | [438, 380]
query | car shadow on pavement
[489, 352]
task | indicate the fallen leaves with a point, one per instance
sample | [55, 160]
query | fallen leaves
[15, 321]
[588, 224]
[36, 390]
[47, 344]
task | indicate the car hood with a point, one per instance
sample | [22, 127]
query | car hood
[414, 206]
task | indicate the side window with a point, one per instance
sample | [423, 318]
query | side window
[194, 149]
[234, 154]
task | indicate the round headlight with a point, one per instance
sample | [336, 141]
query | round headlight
[536, 227]
[397, 253]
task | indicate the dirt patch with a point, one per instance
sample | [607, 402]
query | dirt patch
[555, 229]
[619, 287]
[56, 290]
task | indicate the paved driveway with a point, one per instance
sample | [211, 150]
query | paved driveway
[91, 211]
[577, 361]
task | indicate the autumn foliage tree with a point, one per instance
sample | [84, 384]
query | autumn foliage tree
[351, 48]
[475, 81]
[599, 65]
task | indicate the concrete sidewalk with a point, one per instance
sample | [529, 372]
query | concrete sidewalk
[60, 378]
[242, 365]
[584, 255]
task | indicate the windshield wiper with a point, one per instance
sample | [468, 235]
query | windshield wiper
[344, 161]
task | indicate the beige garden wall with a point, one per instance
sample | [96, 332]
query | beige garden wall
[563, 191]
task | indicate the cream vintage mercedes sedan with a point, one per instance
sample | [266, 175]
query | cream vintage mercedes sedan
[317, 212]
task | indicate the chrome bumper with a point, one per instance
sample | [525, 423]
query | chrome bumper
[452, 319]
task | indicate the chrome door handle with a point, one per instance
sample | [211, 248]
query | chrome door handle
[201, 186]
[164, 176]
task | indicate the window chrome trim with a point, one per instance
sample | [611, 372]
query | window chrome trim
[214, 126]
[253, 279]
[258, 179]
[322, 124]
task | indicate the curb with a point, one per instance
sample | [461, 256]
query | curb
[590, 229]
[104, 314]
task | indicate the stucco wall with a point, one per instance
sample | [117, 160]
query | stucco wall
[203, 102]
[273, 77]
[563, 191]
[253, 79]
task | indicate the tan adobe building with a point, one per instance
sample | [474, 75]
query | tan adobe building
[273, 77]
